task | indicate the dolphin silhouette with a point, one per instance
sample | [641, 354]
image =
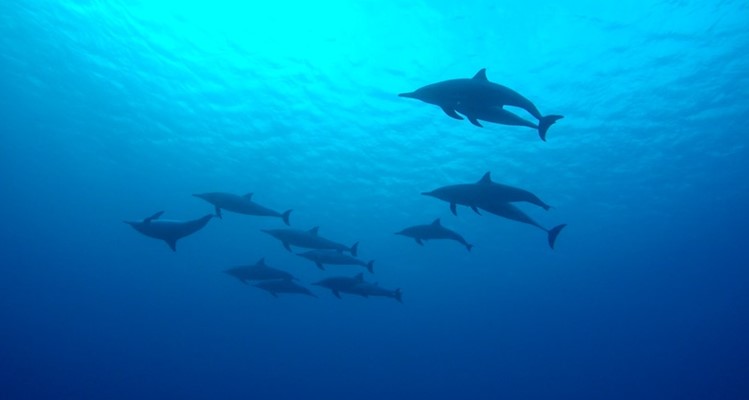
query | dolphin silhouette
[499, 115]
[367, 289]
[258, 272]
[435, 230]
[509, 211]
[334, 257]
[477, 93]
[276, 286]
[240, 205]
[341, 284]
[308, 239]
[168, 230]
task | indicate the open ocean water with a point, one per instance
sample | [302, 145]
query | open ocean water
[115, 110]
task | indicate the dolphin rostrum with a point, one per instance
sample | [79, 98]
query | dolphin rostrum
[435, 230]
[168, 230]
[474, 96]
[334, 257]
[258, 272]
[308, 239]
[240, 205]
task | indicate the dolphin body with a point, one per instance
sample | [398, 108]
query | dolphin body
[435, 230]
[509, 211]
[476, 95]
[333, 257]
[308, 239]
[367, 289]
[499, 115]
[168, 230]
[240, 205]
[484, 191]
[277, 286]
[341, 284]
[258, 272]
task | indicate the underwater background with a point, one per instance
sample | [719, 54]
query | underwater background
[113, 111]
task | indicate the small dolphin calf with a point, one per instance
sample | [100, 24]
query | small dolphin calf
[477, 94]
[367, 289]
[341, 284]
[168, 230]
[333, 257]
[277, 286]
[509, 211]
[308, 239]
[240, 205]
[258, 272]
[435, 230]
[485, 191]
[499, 115]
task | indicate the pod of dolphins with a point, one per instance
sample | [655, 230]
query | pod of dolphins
[477, 99]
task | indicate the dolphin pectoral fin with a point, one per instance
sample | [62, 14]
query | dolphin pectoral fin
[453, 209]
[451, 113]
[474, 121]
[546, 122]
[475, 209]
[553, 233]
[336, 293]
[153, 217]
[172, 243]
[286, 246]
[319, 265]
[218, 212]
[419, 242]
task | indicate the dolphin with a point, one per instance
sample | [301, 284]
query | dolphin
[509, 211]
[435, 230]
[477, 93]
[308, 239]
[333, 257]
[373, 289]
[484, 191]
[240, 205]
[341, 284]
[499, 115]
[258, 272]
[168, 230]
[277, 286]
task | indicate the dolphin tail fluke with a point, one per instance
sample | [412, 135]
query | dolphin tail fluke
[399, 295]
[355, 249]
[370, 267]
[545, 123]
[285, 217]
[553, 233]
[469, 246]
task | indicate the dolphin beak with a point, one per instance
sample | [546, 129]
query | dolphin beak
[410, 95]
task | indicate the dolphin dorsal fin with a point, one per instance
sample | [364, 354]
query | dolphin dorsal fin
[153, 217]
[487, 178]
[261, 262]
[481, 75]
[247, 196]
[314, 230]
[359, 277]
[436, 222]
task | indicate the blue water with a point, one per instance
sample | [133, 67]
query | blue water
[116, 110]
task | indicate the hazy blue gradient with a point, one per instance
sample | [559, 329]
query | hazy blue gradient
[115, 110]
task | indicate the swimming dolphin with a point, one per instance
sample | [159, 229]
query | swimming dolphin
[341, 284]
[168, 230]
[477, 93]
[277, 286]
[373, 289]
[499, 115]
[308, 239]
[509, 211]
[258, 272]
[240, 205]
[484, 191]
[435, 230]
[334, 257]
